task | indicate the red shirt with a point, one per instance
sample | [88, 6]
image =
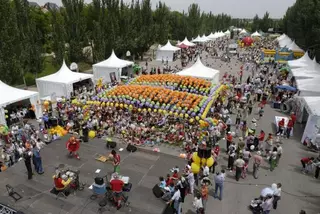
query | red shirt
[116, 159]
[169, 181]
[293, 118]
[229, 137]
[116, 185]
[175, 175]
[217, 150]
[261, 137]
[281, 123]
[290, 124]
[58, 183]
[305, 160]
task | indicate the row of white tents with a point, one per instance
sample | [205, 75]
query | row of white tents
[306, 72]
[60, 84]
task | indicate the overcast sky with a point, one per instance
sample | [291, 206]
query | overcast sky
[235, 8]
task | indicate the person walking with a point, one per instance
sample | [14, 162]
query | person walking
[273, 159]
[289, 128]
[176, 200]
[116, 161]
[229, 139]
[191, 181]
[239, 163]
[27, 161]
[279, 151]
[37, 160]
[276, 195]
[219, 182]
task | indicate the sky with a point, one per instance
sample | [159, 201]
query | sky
[235, 8]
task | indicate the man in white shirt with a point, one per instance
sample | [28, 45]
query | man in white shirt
[176, 200]
[239, 163]
[197, 203]
[191, 181]
[279, 152]
[276, 195]
[205, 172]
[219, 181]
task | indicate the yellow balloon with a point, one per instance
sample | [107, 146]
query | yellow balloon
[196, 158]
[130, 106]
[149, 109]
[164, 112]
[160, 110]
[195, 168]
[191, 120]
[139, 109]
[186, 115]
[117, 104]
[125, 105]
[170, 113]
[121, 105]
[197, 118]
[210, 162]
[181, 115]
[111, 104]
[155, 110]
[203, 161]
[108, 103]
[92, 134]
[144, 110]
[176, 114]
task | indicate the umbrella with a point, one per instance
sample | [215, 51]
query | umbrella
[266, 191]
[286, 87]
[285, 69]
[183, 46]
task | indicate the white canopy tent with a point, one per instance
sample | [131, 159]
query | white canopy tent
[204, 38]
[111, 68]
[187, 43]
[281, 37]
[256, 34]
[308, 87]
[199, 40]
[61, 82]
[311, 130]
[167, 52]
[11, 95]
[304, 61]
[294, 47]
[211, 36]
[243, 31]
[285, 41]
[201, 71]
[311, 71]
[227, 32]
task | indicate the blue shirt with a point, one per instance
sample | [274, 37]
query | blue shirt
[162, 184]
[219, 179]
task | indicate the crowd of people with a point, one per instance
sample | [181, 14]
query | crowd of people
[247, 146]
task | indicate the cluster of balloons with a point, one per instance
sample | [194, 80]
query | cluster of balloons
[199, 162]
[59, 130]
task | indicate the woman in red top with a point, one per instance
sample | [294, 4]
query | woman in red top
[305, 161]
[261, 139]
[116, 161]
[280, 127]
[289, 128]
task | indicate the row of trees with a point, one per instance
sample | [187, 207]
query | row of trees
[302, 23]
[27, 32]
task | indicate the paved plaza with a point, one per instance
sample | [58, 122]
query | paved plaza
[299, 191]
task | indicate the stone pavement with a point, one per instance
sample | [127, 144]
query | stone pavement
[299, 191]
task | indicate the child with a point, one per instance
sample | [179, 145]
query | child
[261, 111]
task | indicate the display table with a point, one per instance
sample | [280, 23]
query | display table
[277, 119]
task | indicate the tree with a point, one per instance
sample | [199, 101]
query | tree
[161, 22]
[255, 23]
[10, 65]
[58, 36]
[265, 22]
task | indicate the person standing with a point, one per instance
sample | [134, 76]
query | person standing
[267, 204]
[279, 151]
[231, 155]
[219, 181]
[116, 161]
[191, 181]
[276, 195]
[273, 159]
[239, 163]
[228, 140]
[289, 128]
[176, 200]
[197, 204]
[27, 161]
[204, 194]
[37, 161]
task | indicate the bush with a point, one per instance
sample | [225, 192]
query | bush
[30, 79]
